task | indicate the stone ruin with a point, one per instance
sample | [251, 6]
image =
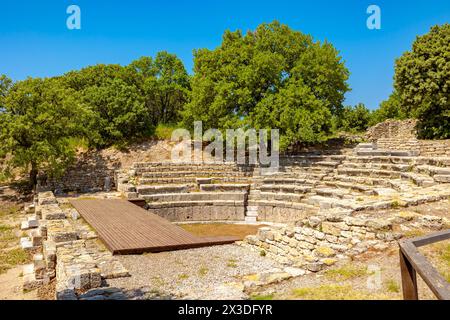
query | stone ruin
[402, 135]
[318, 208]
[66, 251]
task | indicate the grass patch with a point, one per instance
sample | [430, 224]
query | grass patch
[392, 286]
[7, 211]
[66, 206]
[346, 272]
[414, 233]
[12, 258]
[183, 276]
[6, 235]
[221, 229]
[439, 256]
[334, 292]
[262, 297]
[232, 263]
[164, 131]
[203, 271]
[395, 204]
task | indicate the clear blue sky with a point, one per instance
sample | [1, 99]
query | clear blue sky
[34, 39]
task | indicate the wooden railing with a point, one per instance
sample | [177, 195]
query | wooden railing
[413, 262]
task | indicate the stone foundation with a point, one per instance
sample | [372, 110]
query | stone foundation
[70, 252]
[320, 241]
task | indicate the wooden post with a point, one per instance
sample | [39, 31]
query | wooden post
[409, 279]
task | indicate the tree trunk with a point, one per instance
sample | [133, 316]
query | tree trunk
[33, 176]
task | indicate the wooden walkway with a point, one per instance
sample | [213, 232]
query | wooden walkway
[126, 228]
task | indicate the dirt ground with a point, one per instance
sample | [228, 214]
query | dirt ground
[221, 229]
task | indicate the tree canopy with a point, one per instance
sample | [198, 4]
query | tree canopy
[39, 120]
[42, 120]
[422, 80]
[273, 77]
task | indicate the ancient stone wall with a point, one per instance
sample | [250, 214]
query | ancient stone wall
[398, 129]
[431, 148]
[321, 240]
[90, 173]
[67, 250]
[96, 170]
[402, 135]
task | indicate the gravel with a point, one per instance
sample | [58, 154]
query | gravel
[204, 273]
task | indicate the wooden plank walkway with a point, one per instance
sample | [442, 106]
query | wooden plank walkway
[126, 228]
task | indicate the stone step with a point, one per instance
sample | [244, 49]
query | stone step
[250, 219]
[284, 204]
[326, 202]
[252, 213]
[279, 188]
[351, 186]
[286, 181]
[380, 159]
[395, 153]
[195, 196]
[371, 146]
[331, 192]
[192, 180]
[160, 189]
[360, 181]
[176, 168]
[195, 174]
[303, 175]
[196, 203]
[442, 178]
[225, 187]
[173, 164]
[290, 197]
[329, 164]
[307, 159]
[376, 166]
[308, 170]
[419, 179]
[386, 192]
[433, 170]
[368, 172]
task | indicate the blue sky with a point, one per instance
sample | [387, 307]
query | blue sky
[34, 39]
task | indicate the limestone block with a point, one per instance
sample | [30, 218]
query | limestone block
[331, 228]
[324, 252]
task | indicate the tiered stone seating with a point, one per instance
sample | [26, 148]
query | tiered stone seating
[368, 178]
[191, 192]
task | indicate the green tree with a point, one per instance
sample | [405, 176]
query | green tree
[164, 84]
[354, 119]
[119, 113]
[39, 120]
[129, 102]
[389, 109]
[243, 82]
[297, 113]
[5, 85]
[422, 80]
